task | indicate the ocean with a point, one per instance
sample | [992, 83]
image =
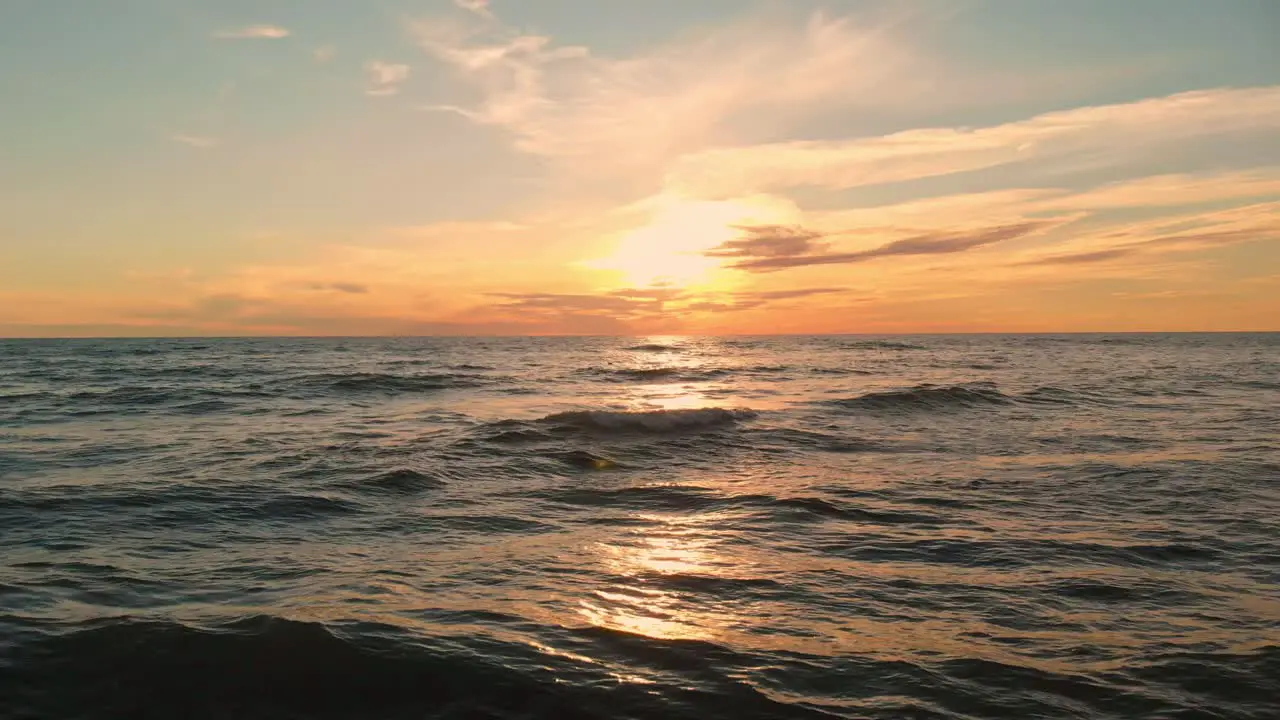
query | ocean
[965, 526]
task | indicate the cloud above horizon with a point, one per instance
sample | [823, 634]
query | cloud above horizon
[254, 32]
[195, 141]
[479, 7]
[385, 78]
[761, 251]
[1116, 132]
[575, 106]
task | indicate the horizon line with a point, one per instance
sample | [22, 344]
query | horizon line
[639, 335]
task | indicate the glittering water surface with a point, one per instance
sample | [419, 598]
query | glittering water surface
[918, 527]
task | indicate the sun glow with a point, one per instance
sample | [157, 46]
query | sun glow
[671, 249]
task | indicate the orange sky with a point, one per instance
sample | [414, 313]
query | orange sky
[516, 169]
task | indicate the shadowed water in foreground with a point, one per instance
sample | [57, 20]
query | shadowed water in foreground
[806, 527]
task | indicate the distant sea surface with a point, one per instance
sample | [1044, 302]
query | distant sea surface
[1074, 526]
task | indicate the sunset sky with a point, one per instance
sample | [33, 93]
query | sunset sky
[342, 167]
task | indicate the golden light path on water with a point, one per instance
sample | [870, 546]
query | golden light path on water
[677, 549]
[908, 512]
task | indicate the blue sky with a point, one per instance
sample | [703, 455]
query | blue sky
[202, 167]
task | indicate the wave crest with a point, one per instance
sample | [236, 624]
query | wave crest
[928, 397]
[647, 421]
[881, 345]
[402, 481]
[359, 382]
[657, 374]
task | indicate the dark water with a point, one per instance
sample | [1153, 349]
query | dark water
[910, 527]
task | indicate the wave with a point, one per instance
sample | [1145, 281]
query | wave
[880, 345]
[818, 441]
[1257, 384]
[33, 395]
[646, 421]
[402, 481]
[816, 508]
[966, 395]
[1120, 341]
[716, 585]
[928, 397]
[653, 347]
[585, 460]
[1050, 395]
[766, 509]
[130, 395]
[364, 382]
[266, 667]
[644, 497]
[209, 371]
[154, 399]
[257, 667]
[205, 407]
[436, 363]
[647, 373]
[556, 427]
[512, 432]
[839, 371]
[292, 506]
[657, 374]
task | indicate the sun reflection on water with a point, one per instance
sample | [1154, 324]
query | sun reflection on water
[681, 550]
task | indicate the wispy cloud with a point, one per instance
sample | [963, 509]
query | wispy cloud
[565, 102]
[752, 300]
[1112, 132]
[343, 287]
[385, 78]
[479, 7]
[614, 304]
[1182, 233]
[768, 241]
[649, 304]
[762, 252]
[195, 141]
[1082, 258]
[324, 53]
[1170, 191]
[254, 32]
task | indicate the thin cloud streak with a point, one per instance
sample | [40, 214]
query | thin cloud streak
[926, 244]
[254, 32]
[1082, 258]
[1181, 234]
[342, 287]
[479, 7]
[765, 241]
[202, 142]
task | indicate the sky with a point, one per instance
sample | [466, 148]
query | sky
[500, 167]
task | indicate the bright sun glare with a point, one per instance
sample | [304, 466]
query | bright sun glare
[671, 249]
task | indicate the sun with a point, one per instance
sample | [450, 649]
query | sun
[671, 249]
